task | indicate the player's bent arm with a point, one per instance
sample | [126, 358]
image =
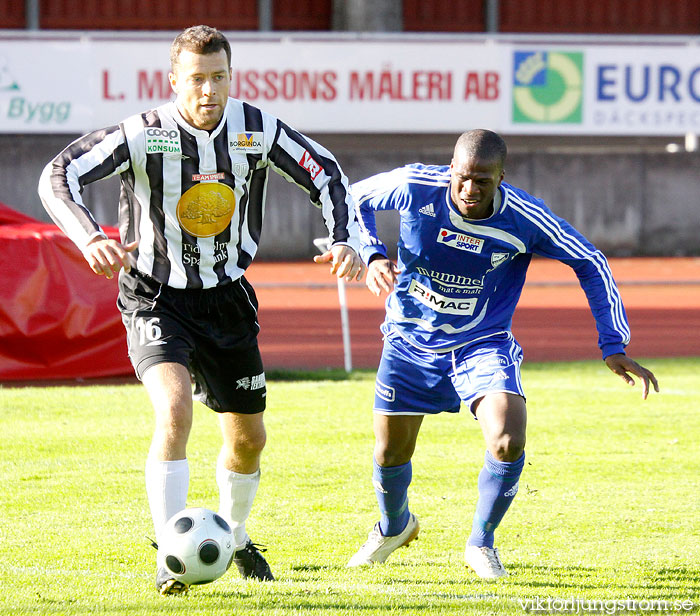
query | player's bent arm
[622, 365]
[92, 157]
[306, 163]
[555, 238]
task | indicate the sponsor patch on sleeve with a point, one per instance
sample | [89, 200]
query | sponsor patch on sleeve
[309, 163]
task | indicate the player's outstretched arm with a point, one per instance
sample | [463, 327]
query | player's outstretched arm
[106, 256]
[622, 365]
[345, 262]
[381, 275]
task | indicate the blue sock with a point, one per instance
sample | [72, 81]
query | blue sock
[498, 485]
[391, 487]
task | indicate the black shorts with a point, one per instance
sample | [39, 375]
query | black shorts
[212, 332]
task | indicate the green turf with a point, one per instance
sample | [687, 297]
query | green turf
[609, 505]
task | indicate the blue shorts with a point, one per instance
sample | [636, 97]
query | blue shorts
[411, 381]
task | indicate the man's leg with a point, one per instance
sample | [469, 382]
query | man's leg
[503, 420]
[395, 442]
[238, 477]
[238, 469]
[167, 473]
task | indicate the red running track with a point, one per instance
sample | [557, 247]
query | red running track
[300, 317]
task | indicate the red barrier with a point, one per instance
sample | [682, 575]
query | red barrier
[57, 318]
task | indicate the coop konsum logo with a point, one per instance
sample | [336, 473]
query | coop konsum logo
[547, 87]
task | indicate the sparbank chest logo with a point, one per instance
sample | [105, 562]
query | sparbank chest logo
[547, 87]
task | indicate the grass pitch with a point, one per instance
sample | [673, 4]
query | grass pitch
[608, 510]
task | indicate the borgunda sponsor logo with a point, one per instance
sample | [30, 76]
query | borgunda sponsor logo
[246, 142]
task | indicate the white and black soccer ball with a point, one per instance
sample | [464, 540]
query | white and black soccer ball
[196, 546]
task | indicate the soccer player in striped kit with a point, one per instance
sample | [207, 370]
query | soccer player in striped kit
[193, 180]
[466, 240]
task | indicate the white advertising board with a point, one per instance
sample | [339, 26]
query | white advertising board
[368, 86]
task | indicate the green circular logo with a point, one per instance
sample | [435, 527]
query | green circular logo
[547, 87]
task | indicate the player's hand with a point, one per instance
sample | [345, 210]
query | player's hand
[622, 365]
[345, 262]
[381, 275]
[106, 256]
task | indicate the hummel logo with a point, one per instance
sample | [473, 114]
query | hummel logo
[428, 210]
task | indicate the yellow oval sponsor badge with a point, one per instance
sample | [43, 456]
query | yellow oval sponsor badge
[206, 209]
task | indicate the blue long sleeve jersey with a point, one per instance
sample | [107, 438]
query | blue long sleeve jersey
[461, 279]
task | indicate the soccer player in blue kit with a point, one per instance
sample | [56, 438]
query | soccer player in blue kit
[466, 240]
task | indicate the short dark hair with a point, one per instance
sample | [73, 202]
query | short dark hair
[482, 143]
[199, 39]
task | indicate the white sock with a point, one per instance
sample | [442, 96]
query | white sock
[236, 494]
[166, 487]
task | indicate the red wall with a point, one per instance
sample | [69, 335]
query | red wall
[443, 16]
[540, 16]
[302, 14]
[12, 14]
[154, 15]
[557, 16]
[167, 14]
[601, 16]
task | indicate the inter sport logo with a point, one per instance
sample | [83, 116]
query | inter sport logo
[547, 87]
[460, 240]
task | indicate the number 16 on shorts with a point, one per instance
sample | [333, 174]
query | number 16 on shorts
[149, 331]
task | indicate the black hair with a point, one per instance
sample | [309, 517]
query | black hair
[482, 143]
[199, 39]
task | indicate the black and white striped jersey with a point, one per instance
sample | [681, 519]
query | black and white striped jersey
[194, 199]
